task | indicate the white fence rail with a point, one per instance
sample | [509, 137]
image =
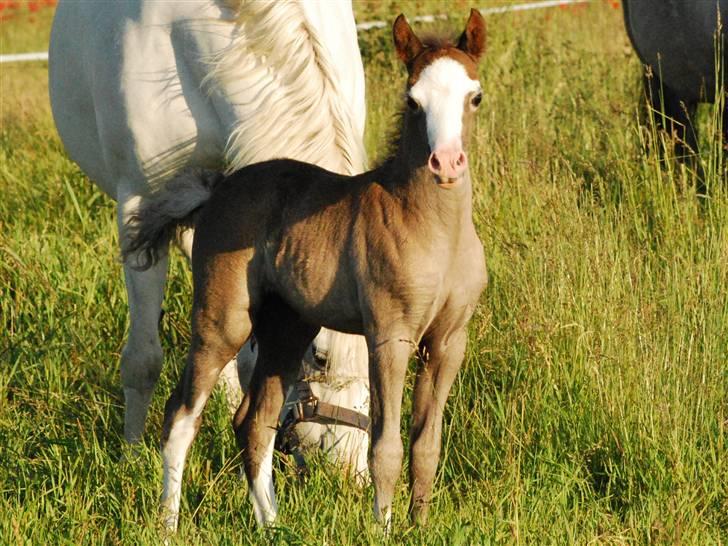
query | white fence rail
[367, 25]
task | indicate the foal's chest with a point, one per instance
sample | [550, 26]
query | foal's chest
[418, 272]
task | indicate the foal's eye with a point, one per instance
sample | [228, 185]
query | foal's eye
[412, 104]
[476, 100]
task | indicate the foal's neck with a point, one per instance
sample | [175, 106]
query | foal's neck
[408, 177]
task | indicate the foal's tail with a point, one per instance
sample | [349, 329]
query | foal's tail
[175, 205]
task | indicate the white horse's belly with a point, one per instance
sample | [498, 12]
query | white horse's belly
[132, 97]
[70, 92]
[127, 98]
[170, 122]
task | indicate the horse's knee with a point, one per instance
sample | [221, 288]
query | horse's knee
[386, 460]
[141, 365]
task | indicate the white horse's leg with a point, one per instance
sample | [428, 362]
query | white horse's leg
[230, 382]
[246, 359]
[346, 384]
[141, 358]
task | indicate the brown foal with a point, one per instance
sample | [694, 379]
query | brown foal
[285, 247]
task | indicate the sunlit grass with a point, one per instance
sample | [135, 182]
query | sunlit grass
[592, 405]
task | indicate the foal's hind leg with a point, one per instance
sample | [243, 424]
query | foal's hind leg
[235, 376]
[282, 340]
[219, 329]
[441, 359]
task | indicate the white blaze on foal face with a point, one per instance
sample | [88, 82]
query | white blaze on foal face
[443, 91]
[443, 84]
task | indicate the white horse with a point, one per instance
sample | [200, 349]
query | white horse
[142, 89]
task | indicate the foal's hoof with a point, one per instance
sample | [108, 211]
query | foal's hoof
[168, 522]
[419, 512]
[384, 517]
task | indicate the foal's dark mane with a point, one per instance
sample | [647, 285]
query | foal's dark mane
[393, 137]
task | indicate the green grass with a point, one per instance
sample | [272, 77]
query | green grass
[593, 404]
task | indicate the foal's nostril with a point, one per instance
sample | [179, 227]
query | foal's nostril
[448, 163]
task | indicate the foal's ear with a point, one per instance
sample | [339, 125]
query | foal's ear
[472, 40]
[408, 45]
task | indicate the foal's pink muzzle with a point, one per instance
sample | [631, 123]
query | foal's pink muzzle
[449, 164]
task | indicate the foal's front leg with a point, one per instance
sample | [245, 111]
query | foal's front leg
[441, 358]
[387, 367]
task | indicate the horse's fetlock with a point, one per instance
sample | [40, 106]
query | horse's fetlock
[419, 510]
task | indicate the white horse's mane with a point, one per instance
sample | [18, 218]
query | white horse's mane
[278, 64]
[277, 60]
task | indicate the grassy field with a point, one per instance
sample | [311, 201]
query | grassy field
[593, 405]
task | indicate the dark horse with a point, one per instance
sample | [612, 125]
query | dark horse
[675, 39]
